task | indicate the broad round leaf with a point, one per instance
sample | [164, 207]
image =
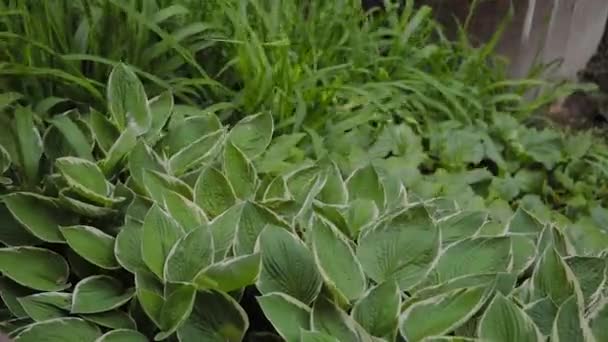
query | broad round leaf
[365, 183]
[193, 155]
[378, 310]
[128, 250]
[185, 212]
[287, 314]
[150, 295]
[12, 233]
[122, 335]
[328, 318]
[10, 292]
[254, 218]
[460, 226]
[216, 317]
[99, 294]
[253, 134]
[176, 309]
[36, 268]
[224, 228]
[160, 233]
[569, 324]
[47, 305]
[127, 100]
[190, 254]
[141, 158]
[92, 244]
[503, 321]
[114, 319]
[213, 193]
[86, 178]
[230, 274]
[287, 266]
[66, 329]
[552, 278]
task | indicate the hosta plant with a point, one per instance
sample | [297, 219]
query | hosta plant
[155, 221]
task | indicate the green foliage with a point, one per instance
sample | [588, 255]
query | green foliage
[169, 236]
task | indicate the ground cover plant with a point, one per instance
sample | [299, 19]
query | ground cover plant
[158, 222]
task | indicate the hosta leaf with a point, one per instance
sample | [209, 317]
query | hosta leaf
[127, 248]
[589, 272]
[185, 212]
[121, 147]
[336, 260]
[254, 218]
[474, 256]
[104, 130]
[189, 255]
[598, 320]
[230, 274]
[141, 158]
[161, 108]
[36, 268]
[149, 295]
[5, 160]
[543, 314]
[253, 134]
[99, 294]
[92, 244]
[287, 314]
[73, 135]
[461, 225]
[12, 232]
[287, 266]
[503, 321]
[157, 183]
[216, 317]
[359, 214]
[127, 100]
[38, 214]
[114, 319]
[365, 183]
[223, 228]
[401, 250]
[122, 335]
[240, 172]
[568, 324]
[301, 181]
[213, 193]
[442, 314]
[10, 292]
[82, 208]
[175, 310]
[328, 318]
[276, 190]
[378, 310]
[160, 233]
[66, 329]
[196, 153]
[185, 131]
[47, 305]
[552, 278]
[29, 143]
[315, 336]
[523, 250]
[524, 222]
[86, 178]
[334, 191]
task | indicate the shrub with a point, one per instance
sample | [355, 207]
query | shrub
[155, 222]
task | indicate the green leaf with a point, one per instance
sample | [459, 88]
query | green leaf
[7, 98]
[543, 146]
[195, 154]
[360, 213]
[552, 278]
[74, 136]
[378, 310]
[442, 314]
[36, 268]
[99, 293]
[276, 190]
[122, 335]
[598, 320]
[461, 225]
[402, 249]
[5, 160]
[315, 336]
[29, 143]
[185, 212]
[523, 251]
[160, 233]
[92, 244]
[127, 248]
[38, 214]
[127, 100]
[336, 260]
[365, 183]
[216, 317]
[230, 274]
[47, 305]
[141, 158]
[503, 321]
[157, 183]
[253, 134]
[287, 314]
[568, 324]
[149, 295]
[175, 310]
[121, 147]
[82, 208]
[524, 222]
[589, 273]
[10, 292]
[66, 329]
[334, 191]
[287, 266]
[328, 318]
[190, 254]
[161, 108]
[185, 131]
[474, 256]
[12, 232]
[86, 178]
[213, 193]
[104, 130]
[240, 172]
[543, 313]
[114, 319]
[254, 218]
[301, 181]
[224, 228]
